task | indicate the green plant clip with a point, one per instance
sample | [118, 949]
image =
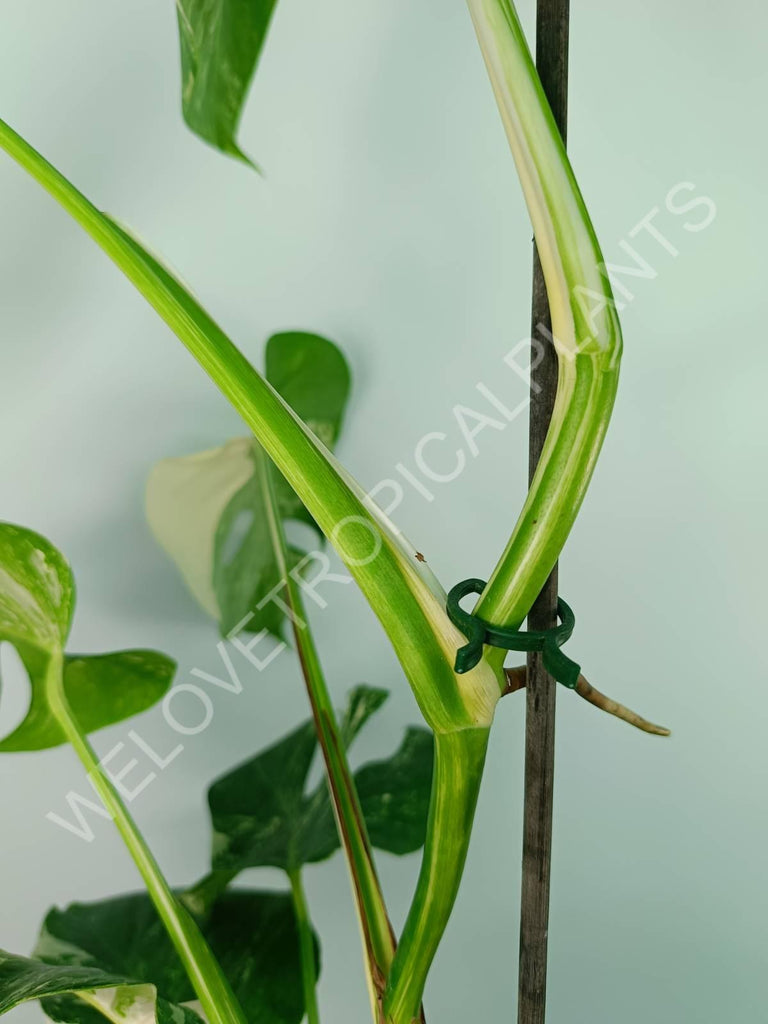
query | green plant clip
[479, 632]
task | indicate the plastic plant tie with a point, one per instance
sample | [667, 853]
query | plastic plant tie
[479, 632]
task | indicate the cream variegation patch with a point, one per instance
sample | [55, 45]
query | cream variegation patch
[185, 500]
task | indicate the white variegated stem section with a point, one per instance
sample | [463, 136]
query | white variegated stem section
[585, 326]
[458, 771]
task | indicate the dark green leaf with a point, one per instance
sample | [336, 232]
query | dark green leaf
[122, 1000]
[101, 689]
[252, 934]
[394, 794]
[262, 816]
[313, 377]
[211, 511]
[220, 45]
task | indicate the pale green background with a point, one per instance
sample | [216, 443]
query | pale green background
[389, 218]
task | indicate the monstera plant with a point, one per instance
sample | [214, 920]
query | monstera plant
[226, 517]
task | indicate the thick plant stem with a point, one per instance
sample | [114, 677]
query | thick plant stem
[307, 948]
[211, 987]
[394, 577]
[552, 65]
[459, 760]
[585, 330]
[376, 930]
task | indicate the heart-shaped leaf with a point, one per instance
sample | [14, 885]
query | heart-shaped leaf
[252, 934]
[220, 45]
[83, 994]
[37, 598]
[262, 815]
[211, 511]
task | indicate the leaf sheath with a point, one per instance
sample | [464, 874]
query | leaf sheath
[459, 761]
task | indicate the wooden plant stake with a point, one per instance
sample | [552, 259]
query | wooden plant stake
[552, 63]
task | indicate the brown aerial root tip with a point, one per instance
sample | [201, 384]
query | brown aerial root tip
[516, 681]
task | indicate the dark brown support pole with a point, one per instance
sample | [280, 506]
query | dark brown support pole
[552, 64]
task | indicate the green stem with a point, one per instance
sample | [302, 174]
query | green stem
[459, 760]
[307, 947]
[376, 930]
[210, 985]
[585, 325]
[202, 896]
[394, 577]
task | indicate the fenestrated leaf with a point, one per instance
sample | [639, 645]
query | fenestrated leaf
[100, 993]
[187, 500]
[101, 689]
[211, 511]
[262, 815]
[220, 45]
[37, 598]
[245, 565]
[37, 591]
[252, 934]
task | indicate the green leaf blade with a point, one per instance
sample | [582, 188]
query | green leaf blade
[252, 933]
[272, 785]
[83, 994]
[220, 43]
[37, 590]
[263, 817]
[37, 600]
[400, 586]
[394, 794]
[211, 511]
[101, 690]
[313, 377]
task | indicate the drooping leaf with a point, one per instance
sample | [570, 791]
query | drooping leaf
[101, 689]
[220, 45]
[252, 934]
[263, 816]
[211, 511]
[37, 599]
[83, 993]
